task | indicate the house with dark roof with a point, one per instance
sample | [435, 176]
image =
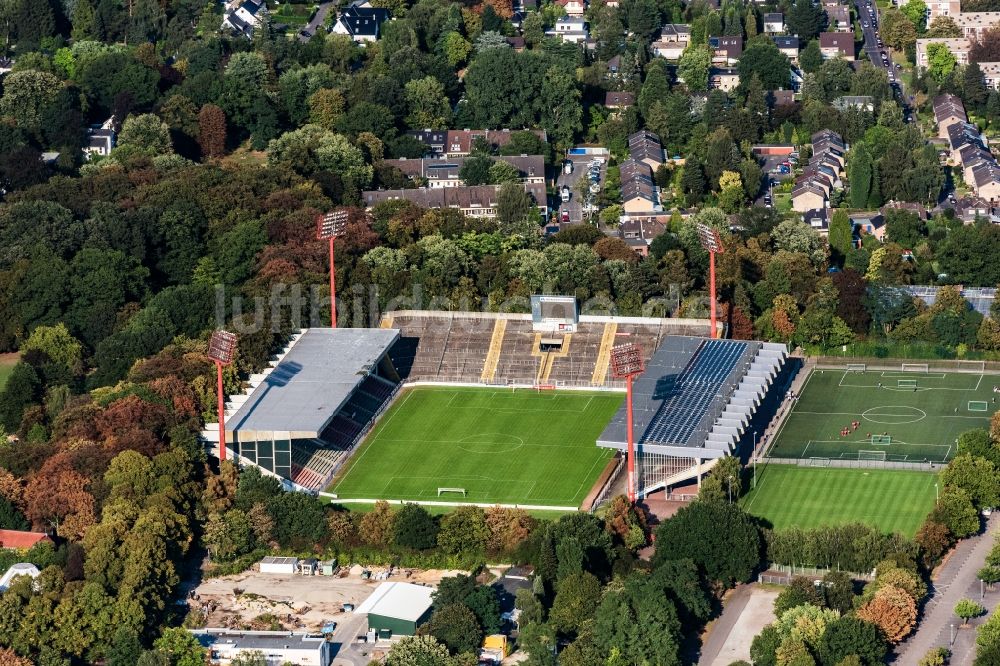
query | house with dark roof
[472, 200]
[362, 24]
[726, 79]
[644, 146]
[639, 233]
[243, 16]
[726, 49]
[619, 100]
[458, 143]
[435, 140]
[445, 172]
[837, 44]
[639, 193]
[674, 38]
[818, 219]
[788, 45]
[777, 98]
[948, 110]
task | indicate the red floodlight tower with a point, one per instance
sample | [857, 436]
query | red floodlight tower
[221, 349]
[627, 363]
[712, 242]
[329, 227]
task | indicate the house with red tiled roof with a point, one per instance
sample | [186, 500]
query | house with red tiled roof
[19, 540]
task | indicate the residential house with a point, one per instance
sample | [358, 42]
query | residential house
[974, 24]
[948, 110]
[674, 38]
[839, 19]
[968, 209]
[986, 181]
[224, 645]
[991, 74]
[818, 219]
[570, 29]
[473, 200]
[726, 49]
[788, 45]
[776, 98]
[21, 540]
[726, 79]
[868, 224]
[639, 233]
[572, 7]
[837, 45]
[962, 135]
[827, 140]
[243, 16]
[937, 8]
[100, 141]
[845, 102]
[458, 143]
[645, 147]
[639, 193]
[774, 23]
[917, 209]
[619, 100]
[959, 47]
[808, 196]
[615, 66]
[445, 172]
[362, 24]
[517, 43]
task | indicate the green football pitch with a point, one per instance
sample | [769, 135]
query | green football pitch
[503, 446]
[915, 416]
[792, 496]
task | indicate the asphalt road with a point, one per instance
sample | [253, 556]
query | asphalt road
[869, 14]
[325, 7]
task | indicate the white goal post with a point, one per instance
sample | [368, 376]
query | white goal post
[819, 462]
[871, 455]
[914, 367]
[451, 490]
[906, 383]
[856, 367]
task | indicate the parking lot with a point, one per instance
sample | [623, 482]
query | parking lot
[581, 169]
[769, 164]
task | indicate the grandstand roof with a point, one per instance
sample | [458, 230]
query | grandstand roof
[686, 385]
[303, 393]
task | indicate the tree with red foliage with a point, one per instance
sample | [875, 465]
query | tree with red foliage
[212, 130]
[987, 47]
[62, 501]
[179, 394]
[739, 325]
[852, 287]
[131, 412]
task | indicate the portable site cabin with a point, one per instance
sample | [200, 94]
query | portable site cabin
[279, 565]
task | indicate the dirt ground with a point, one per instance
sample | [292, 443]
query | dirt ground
[296, 602]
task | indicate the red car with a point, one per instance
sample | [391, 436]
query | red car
[565, 216]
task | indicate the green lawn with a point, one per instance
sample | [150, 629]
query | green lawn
[923, 424]
[894, 501]
[502, 446]
[7, 363]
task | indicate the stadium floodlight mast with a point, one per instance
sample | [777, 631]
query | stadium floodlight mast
[329, 227]
[627, 363]
[221, 349]
[712, 242]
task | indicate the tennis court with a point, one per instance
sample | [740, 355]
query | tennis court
[892, 415]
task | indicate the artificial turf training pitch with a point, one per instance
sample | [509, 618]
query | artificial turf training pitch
[793, 496]
[923, 424]
[503, 446]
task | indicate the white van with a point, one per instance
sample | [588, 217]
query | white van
[567, 167]
[564, 194]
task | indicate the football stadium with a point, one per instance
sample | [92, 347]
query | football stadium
[513, 409]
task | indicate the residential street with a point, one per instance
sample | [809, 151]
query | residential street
[955, 580]
[874, 51]
[318, 21]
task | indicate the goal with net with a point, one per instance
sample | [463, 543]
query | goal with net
[914, 367]
[856, 367]
[882, 440]
[457, 491]
[819, 462]
[979, 406]
[871, 455]
[906, 383]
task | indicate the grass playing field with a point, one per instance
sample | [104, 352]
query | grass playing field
[922, 424]
[502, 446]
[894, 501]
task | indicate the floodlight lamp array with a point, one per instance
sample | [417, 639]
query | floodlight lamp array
[222, 347]
[626, 360]
[331, 225]
[710, 238]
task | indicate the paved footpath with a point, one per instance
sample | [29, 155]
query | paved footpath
[745, 614]
[956, 579]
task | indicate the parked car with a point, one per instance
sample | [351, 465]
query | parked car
[564, 194]
[564, 216]
[567, 167]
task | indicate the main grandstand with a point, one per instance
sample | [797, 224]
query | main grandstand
[699, 400]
